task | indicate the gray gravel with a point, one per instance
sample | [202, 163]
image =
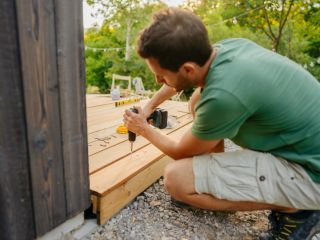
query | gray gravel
[152, 216]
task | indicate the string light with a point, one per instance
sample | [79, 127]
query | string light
[106, 49]
[234, 20]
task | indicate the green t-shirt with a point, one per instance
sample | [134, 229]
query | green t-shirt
[261, 101]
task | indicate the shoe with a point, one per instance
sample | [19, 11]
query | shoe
[310, 229]
[293, 226]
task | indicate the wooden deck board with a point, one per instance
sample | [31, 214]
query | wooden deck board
[107, 137]
[116, 176]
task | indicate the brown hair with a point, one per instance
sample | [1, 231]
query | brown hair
[174, 37]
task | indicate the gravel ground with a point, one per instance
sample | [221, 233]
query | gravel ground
[152, 216]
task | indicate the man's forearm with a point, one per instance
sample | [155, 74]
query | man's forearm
[163, 142]
[163, 94]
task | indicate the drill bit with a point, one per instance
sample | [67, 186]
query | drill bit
[131, 150]
[132, 138]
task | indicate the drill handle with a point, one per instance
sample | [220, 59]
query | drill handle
[132, 135]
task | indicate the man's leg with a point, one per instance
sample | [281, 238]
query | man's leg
[179, 182]
[252, 180]
[219, 148]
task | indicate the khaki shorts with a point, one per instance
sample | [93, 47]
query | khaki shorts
[254, 176]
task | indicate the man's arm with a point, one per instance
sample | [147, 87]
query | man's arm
[193, 101]
[163, 94]
[188, 146]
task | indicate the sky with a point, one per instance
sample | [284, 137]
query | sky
[88, 20]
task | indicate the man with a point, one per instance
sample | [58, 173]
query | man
[262, 101]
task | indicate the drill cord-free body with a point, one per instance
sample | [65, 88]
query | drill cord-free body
[159, 119]
[132, 135]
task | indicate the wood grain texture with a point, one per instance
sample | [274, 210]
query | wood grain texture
[99, 100]
[109, 178]
[94, 201]
[115, 152]
[37, 33]
[71, 75]
[111, 118]
[116, 177]
[107, 137]
[115, 200]
[102, 117]
[16, 220]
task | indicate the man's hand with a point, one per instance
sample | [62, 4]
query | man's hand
[147, 111]
[163, 94]
[135, 122]
[188, 146]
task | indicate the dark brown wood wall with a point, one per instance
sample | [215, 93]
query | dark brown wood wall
[16, 216]
[48, 55]
[71, 74]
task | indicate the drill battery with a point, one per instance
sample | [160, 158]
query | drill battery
[159, 118]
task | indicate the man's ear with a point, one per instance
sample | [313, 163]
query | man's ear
[189, 67]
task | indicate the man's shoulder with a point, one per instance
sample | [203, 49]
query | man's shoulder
[234, 48]
[228, 41]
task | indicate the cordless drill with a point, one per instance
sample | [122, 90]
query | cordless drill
[132, 135]
[159, 119]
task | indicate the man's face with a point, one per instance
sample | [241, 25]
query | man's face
[178, 80]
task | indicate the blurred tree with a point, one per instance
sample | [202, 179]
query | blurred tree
[289, 27]
[292, 26]
[268, 16]
[125, 15]
[117, 54]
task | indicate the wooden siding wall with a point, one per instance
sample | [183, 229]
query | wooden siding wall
[16, 218]
[50, 98]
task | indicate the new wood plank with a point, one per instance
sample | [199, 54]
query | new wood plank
[108, 115]
[109, 178]
[71, 74]
[94, 100]
[94, 201]
[119, 176]
[118, 151]
[107, 137]
[16, 220]
[118, 113]
[103, 110]
[115, 200]
[107, 103]
[102, 114]
[95, 110]
[115, 115]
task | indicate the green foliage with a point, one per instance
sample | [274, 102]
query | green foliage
[105, 53]
[299, 38]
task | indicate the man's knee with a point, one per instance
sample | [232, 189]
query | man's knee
[170, 175]
[178, 178]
